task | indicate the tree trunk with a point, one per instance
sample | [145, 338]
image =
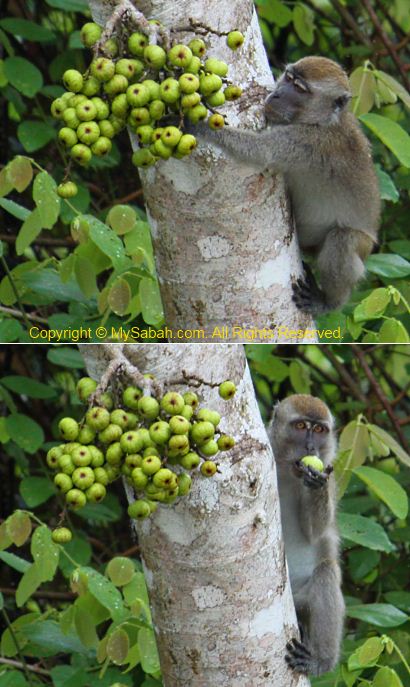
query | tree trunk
[225, 248]
[214, 562]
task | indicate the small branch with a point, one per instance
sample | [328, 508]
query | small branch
[15, 291]
[347, 17]
[380, 394]
[22, 666]
[130, 196]
[390, 47]
[351, 383]
[17, 313]
[42, 241]
[63, 596]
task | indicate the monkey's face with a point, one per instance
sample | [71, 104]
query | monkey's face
[309, 436]
[314, 90]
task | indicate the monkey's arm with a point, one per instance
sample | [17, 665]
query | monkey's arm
[276, 147]
[317, 504]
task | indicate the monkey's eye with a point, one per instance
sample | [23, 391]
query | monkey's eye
[318, 429]
[300, 86]
[289, 76]
[300, 425]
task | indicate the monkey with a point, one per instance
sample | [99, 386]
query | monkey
[303, 425]
[317, 144]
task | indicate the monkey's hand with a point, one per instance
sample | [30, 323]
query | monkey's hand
[298, 657]
[311, 477]
[307, 295]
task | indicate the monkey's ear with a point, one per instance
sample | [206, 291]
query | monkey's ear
[341, 102]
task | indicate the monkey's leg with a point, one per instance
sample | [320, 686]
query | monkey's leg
[340, 264]
[319, 651]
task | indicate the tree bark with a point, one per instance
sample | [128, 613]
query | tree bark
[214, 562]
[225, 247]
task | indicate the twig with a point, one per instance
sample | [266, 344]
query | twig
[64, 596]
[131, 550]
[345, 375]
[42, 241]
[10, 628]
[347, 17]
[17, 664]
[396, 26]
[387, 42]
[379, 393]
[130, 196]
[17, 313]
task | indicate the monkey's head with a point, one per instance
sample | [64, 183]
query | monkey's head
[302, 425]
[314, 90]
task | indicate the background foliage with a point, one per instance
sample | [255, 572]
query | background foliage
[65, 639]
[101, 270]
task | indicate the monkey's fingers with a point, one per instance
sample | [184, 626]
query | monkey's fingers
[298, 656]
[307, 295]
[315, 479]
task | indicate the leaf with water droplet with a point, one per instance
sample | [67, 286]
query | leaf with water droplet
[120, 570]
[148, 650]
[121, 218]
[105, 592]
[46, 198]
[45, 553]
[118, 646]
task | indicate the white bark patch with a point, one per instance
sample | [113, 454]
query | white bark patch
[208, 597]
[274, 271]
[185, 175]
[178, 529]
[213, 247]
[269, 619]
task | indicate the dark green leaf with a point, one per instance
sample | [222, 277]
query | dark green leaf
[27, 29]
[364, 531]
[108, 242]
[10, 330]
[47, 282]
[388, 265]
[25, 432]
[388, 190]
[105, 592]
[36, 490]
[391, 134]
[381, 615]
[14, 561]
[79, 550]
[86, 277]
[14, 209]
[47, 634]
[303, 21]
[400, 599]
[386, 488]
[69, 5]
[26, 386]
[34, 135]
[23, 75]
[66, 357]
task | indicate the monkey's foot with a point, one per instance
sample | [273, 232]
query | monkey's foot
[298, 656]
[311, 477]
[307, 295]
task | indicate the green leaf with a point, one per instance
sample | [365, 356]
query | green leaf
[45, 553]
[13, 678]
[353, 447]
[25, 432]
[65, 357]
[400, 599]
[10, 330]
[36, 490]
[29, 231]
[108, 242]
[27, 585]
[20, 172]
[148, 651]
[386, 677]
[364, 531]
[275, 12]
[14, 209]
[303, 22]
[393, 445]
[391, 134]
[105, 592]
[1, 601]
[386, 488]
[85, 624]
[363, 86]
[69, 5]
[118, 646]
[120, 570]
[86, 277]
[23, 75]
[18, 527]
[46, 198]
[80, 202]
[26, 386]
[119, 296]
[27, 29]
[151, 304]
[5, 539]
[381, 615]
[78, 549]
[388, 265]
[388, 190]
[394, 86]
[393, 331]
[367, 654]
[69, 676]
[6, 185]
[14, 561]
[47, 634]
[373, 306]
[47, 282]
[34, 135]
[122, 219]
